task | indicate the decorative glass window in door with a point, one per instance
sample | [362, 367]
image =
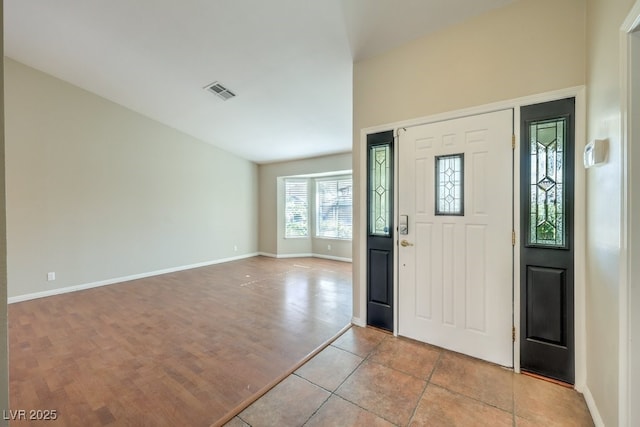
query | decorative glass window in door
[450, 184]
[547, 221]
[380, 190]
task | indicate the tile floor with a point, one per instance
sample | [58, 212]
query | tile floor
[370, 378]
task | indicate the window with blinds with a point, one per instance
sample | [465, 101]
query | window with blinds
[334, 208]
[296, 208]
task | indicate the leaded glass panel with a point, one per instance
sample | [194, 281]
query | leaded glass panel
[380, 189]
[547, 221]
[450, 184]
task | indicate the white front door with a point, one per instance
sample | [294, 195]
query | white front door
[455, 267]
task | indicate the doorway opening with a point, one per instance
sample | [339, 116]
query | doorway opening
[361, 306]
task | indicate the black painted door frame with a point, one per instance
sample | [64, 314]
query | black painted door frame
[380, 246]
[547, 333]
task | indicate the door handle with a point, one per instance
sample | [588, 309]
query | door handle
[405, 243]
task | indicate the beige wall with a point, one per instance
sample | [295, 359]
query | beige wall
[604, 18]
[4, 360]
[518, 50]
[514, 51]
[97, 192]
[272, 239]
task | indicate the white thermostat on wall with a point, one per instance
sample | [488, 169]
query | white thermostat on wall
[595, 153]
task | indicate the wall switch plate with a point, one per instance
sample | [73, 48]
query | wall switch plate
[51, 276]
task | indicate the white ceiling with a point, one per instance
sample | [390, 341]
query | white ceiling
[288, 61]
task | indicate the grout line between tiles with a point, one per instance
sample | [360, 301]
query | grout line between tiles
[440, 350]
[240, 418]
[312, 383]
[428, 381]
[317, 409]
[359, 364]
[364, 359]
[470, 398]
[238, 410]
[426, 384]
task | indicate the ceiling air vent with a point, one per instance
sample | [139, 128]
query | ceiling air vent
[220, 90]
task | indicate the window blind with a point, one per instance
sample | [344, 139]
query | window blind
[334, 208]
[296, 208]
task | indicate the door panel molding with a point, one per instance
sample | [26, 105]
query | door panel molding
[379, 267]
[547, 286]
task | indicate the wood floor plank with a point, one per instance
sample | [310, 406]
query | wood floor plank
[179, 349]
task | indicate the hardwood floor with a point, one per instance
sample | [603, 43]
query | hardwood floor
[179, 349]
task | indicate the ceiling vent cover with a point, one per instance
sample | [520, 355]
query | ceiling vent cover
[220, 90]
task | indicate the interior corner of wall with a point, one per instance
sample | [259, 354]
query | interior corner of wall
[358, 322]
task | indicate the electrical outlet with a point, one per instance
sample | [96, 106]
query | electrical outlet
[235, 248]
[51, 276]
[328, 247]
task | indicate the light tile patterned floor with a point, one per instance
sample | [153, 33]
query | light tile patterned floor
[370, 378]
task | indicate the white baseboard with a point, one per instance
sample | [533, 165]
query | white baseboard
[358, 322]
[306, 255]
[593, 408]
[58, 291]
[68, 289]
[294, 255]
[267, 254]
[333, 258]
